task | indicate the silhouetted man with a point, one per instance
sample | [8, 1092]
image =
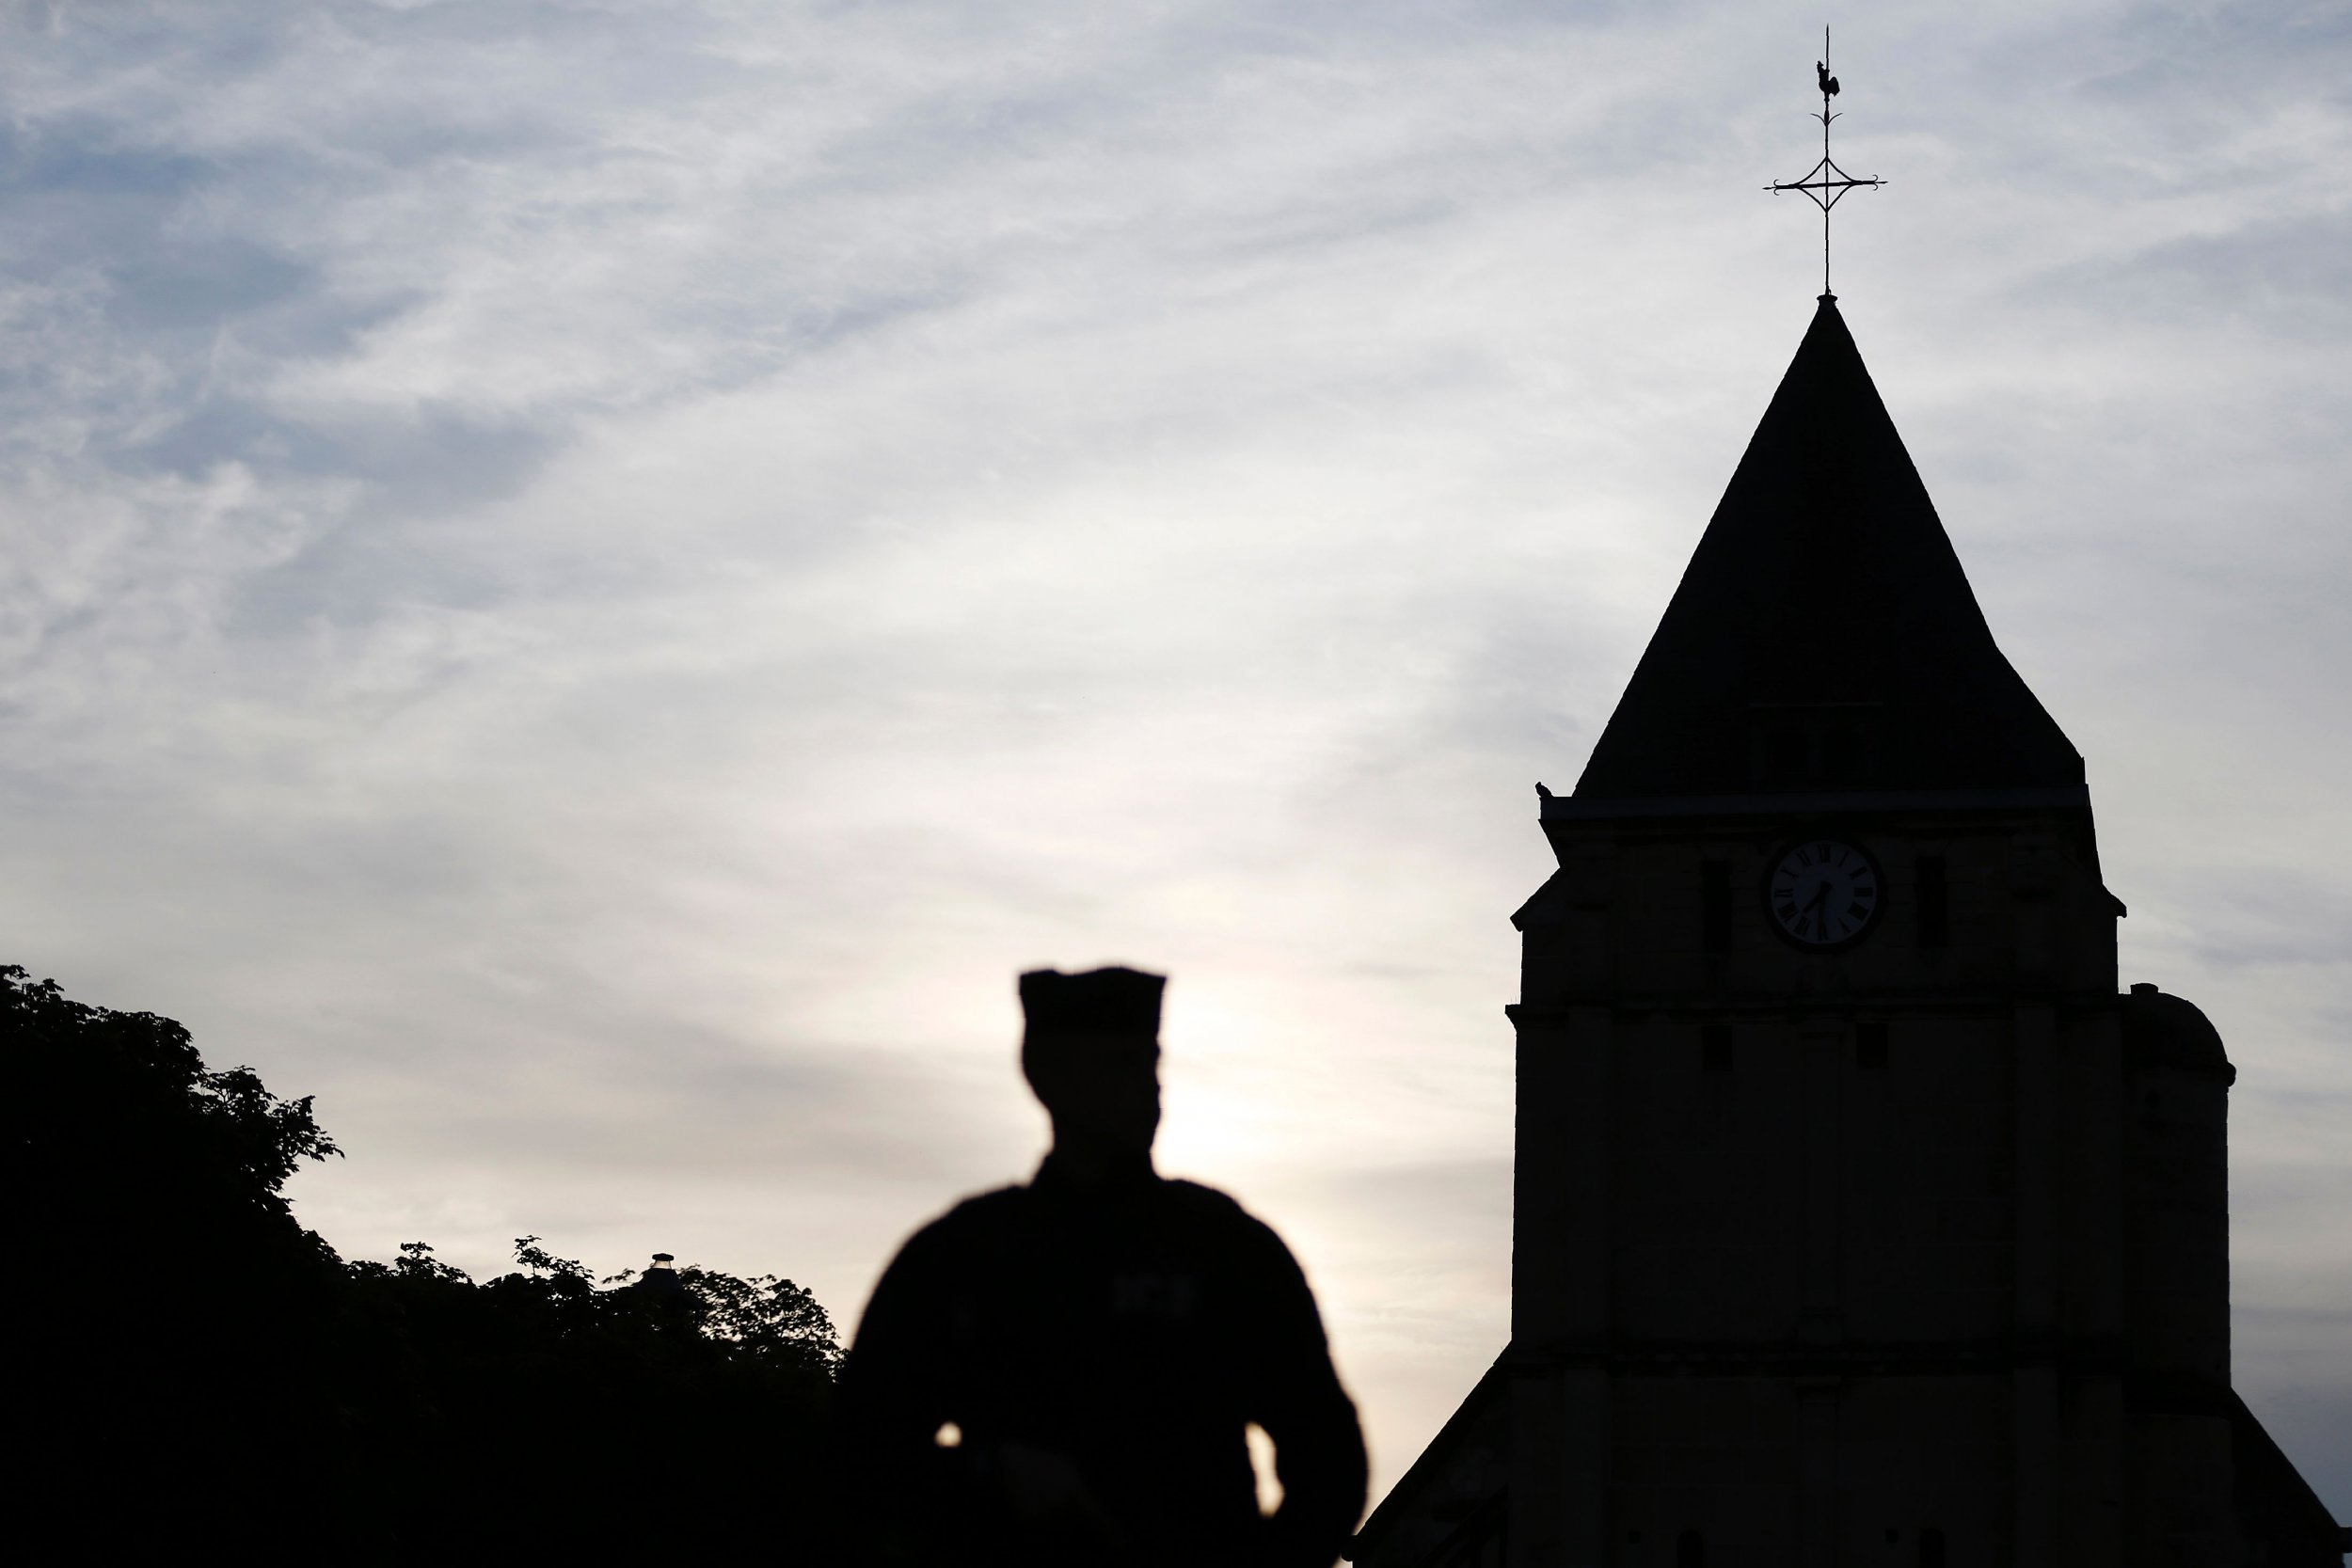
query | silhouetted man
[1062, 1373]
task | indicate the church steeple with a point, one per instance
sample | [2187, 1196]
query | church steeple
[1848, 1202]
[1825, 636]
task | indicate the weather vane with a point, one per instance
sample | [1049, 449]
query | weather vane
[1827, 182]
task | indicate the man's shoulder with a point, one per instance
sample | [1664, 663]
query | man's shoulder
[991, 1220]
[1210, 1209]
[1200, 1199]
[1249, 1251]
[981, 1215]
[1012, 1204]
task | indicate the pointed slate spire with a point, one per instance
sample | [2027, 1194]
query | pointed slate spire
[1825, 636]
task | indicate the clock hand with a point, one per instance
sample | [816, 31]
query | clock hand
[1813, 908]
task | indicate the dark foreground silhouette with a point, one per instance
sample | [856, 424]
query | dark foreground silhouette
[196, 1376]
[1064, 1373]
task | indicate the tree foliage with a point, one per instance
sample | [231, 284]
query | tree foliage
[210, 1373]
[221, 1134]
[182, 1315]
[675, 1409]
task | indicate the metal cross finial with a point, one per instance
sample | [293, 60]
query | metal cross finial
[1827, 182]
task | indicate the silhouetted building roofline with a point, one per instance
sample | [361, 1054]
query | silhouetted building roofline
[1825, 636]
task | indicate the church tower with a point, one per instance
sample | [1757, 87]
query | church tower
[1858, 1218]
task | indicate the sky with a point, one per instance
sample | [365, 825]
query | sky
[586, 582]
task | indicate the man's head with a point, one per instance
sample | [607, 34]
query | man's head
[1091, 1049]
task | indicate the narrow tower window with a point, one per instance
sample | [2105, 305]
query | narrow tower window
[1930, 1548]
[1840, 749]
[1715, 1047]
[1869, 1044]
[1715, 906]
[1691, 1550]
[1936, 927]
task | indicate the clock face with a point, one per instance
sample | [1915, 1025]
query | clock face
[1823, 892]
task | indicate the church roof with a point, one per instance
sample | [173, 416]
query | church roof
[1824, 636]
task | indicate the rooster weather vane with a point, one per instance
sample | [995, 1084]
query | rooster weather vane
[1827, 182]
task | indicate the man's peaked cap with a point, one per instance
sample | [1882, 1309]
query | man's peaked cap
[1113, 1000]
